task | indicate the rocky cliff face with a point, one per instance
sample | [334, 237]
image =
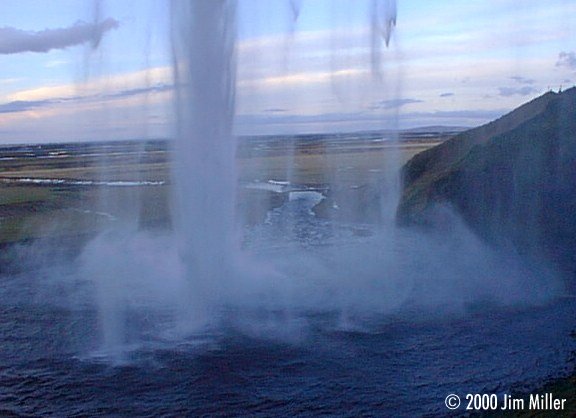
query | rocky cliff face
[513, 181]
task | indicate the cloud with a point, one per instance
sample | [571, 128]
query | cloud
[525, 89]
[7, 81]
[151, 78]
[466, 114]
[522, 80]
[359, 121]
[26, 105]
[452, 115]
[159, 88]
[272, 123]
[56, 63]
[394, 103]
[447, 95]
[567, 59]
[513, 91]
[14, 41]
[303, 78]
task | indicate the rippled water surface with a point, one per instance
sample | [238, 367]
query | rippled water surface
[402, 364]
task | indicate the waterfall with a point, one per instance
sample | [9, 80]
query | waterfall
[203, 40]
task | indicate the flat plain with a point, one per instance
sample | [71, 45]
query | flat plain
[72, 189]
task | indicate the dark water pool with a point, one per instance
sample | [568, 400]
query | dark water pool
[399, 365]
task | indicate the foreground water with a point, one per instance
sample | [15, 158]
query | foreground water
[334, 355]
[403, 365]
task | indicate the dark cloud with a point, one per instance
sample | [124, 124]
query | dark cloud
[447, 95]
[394, 103]
[14, 41]
[143, 90]
[522, 80]
[24, 105]
[513, 91]
[567, 59]
[275, 110]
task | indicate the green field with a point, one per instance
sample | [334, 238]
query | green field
[31, 210]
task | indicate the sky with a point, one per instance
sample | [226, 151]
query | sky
[75, 70]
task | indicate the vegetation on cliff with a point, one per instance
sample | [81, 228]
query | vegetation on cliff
[513, 181]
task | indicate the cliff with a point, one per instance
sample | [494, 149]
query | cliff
[513, 181]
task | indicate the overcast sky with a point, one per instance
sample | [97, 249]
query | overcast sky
[73, 70]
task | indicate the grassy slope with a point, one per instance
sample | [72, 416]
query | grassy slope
[430, 167]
